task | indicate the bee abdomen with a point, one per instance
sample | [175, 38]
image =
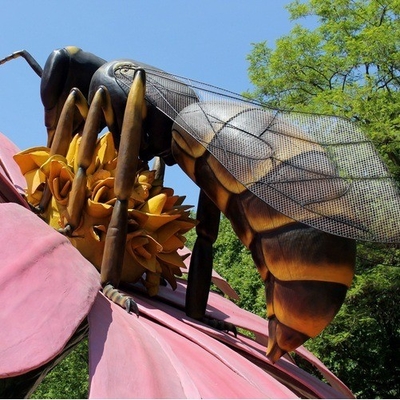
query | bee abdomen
[309, 273]
[306, 272]
[299, 310]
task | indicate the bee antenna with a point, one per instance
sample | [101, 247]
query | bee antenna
[29, 59]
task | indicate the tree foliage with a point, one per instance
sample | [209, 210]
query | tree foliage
[349, 65]
[362, 345]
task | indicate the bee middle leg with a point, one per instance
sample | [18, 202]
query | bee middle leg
[111, 267]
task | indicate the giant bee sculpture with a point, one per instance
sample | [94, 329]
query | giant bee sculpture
[299, 189]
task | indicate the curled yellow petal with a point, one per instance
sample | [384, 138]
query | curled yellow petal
[143, 248]
[98, 232]
[57, 191]
[98, 210]
[72, 152]
[34, 191]
[34, 178]
[171, 258]
[154, 205]
[139, 195]
[104, 154]
[60, 177]
[136, 218]
[103, 192]
[173, 243]
[53, 162]
[156, 221]
[99, 175]
[168, 230]
[111, 166]
[32, 158]
[105, 149]
[146, 176]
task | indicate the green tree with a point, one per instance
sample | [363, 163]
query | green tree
[348, 65]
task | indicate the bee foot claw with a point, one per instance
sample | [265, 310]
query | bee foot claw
[36, 209]
[131, 306]
[220, 325]
[121, 299]
[66, 231]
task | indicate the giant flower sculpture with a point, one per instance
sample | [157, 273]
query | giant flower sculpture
[49, 289]
[157, 219]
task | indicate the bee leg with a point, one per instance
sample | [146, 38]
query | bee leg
[121, 299]
[63, 134]
[220, 325]
[113, 256]
[101, 106]
[159, 167]
[201, 264]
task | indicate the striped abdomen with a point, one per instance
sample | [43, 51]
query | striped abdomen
[306, 272]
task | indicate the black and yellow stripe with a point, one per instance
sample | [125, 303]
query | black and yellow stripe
[306, 272]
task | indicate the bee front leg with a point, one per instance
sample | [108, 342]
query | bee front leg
[111, 267]
[201, 264]
[63, 134]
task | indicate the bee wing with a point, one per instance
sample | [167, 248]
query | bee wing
[168, 93]
[317, 169]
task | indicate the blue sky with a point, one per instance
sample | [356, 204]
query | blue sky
[204, 40]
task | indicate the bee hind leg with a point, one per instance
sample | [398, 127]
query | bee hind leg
[220, 325]
[201, 264]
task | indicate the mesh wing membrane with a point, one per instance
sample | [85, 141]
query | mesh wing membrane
[317, 169]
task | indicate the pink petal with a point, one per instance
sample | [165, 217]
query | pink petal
[139, 358]
[220, 308]
[286, 372]
[129, 360]
[47, 289]
[165, 354]
[12, 182]
[333, 380]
